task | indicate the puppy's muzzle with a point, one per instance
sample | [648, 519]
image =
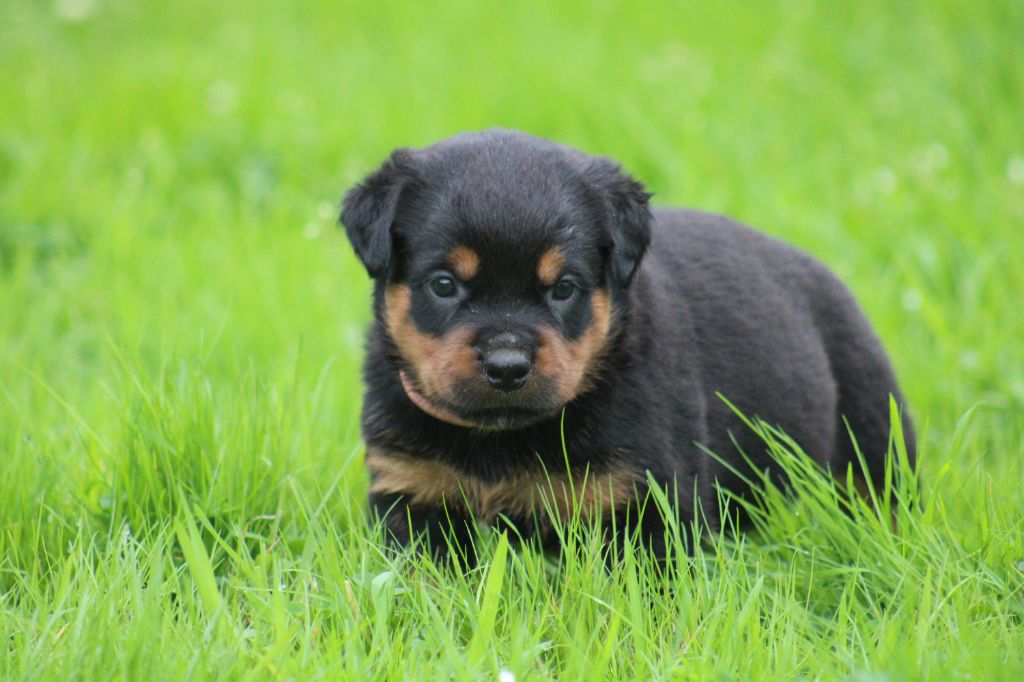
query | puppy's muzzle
[506, 360]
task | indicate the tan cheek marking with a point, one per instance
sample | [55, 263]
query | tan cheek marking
[551, 265]
[574, 364]
[436, 361]
[464, 262]
[435, 483]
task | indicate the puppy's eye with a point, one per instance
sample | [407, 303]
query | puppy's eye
[563, 291]
[444, 286]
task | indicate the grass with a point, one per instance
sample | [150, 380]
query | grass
[180, 332]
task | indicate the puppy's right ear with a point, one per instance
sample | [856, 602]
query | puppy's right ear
[630, 216]
[368, 212]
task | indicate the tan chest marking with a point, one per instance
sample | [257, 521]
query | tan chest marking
[435, 483]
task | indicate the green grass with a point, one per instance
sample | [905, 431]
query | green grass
[180, 331]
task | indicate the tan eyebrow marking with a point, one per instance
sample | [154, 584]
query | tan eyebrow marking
[464, 261]
[551, 265]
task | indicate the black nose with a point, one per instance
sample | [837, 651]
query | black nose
[506, 363]
[506, 369]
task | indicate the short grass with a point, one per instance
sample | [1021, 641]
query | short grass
[180, 331]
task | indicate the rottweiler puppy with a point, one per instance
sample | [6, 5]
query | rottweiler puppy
[545, 342]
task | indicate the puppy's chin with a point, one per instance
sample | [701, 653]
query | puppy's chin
[505, 419]
[490, 418]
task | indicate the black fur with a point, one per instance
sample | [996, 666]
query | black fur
[369, 211]
[713, 308]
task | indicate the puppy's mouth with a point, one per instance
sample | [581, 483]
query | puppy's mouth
[488, 418]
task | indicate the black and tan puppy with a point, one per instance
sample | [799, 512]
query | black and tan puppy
[521, 286]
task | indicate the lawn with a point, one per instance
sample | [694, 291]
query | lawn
[181, 326]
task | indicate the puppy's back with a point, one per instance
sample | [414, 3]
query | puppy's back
[779, 336]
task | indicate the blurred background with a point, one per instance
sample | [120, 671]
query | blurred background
[173, 283]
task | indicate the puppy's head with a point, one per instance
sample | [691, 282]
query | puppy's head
[500, 260]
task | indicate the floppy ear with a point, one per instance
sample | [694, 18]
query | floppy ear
[368, 212]
[630, 224]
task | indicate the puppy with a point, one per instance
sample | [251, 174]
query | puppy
[545, 343]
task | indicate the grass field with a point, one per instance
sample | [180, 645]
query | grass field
[181, 321]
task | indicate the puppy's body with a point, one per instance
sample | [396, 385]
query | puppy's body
[628, 368]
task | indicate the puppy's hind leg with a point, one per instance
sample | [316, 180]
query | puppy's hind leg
[865, 381]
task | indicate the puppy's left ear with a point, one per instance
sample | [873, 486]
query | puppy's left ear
[630, 224]
[369, 210]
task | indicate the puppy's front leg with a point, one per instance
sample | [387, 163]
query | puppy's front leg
[439, 530]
